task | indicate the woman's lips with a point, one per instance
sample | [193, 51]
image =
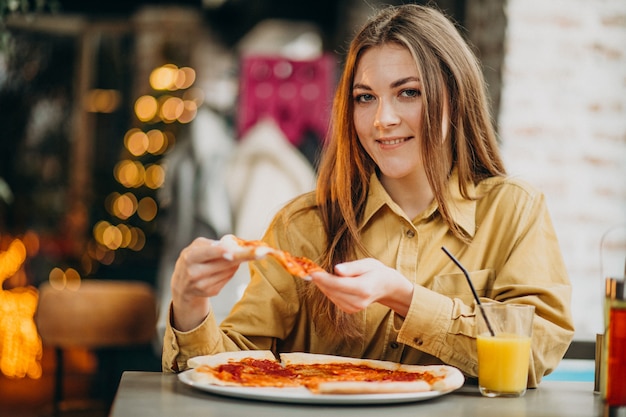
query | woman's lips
[392, 141]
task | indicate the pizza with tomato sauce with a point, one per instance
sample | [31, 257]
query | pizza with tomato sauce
[249, 250]
[322, 374]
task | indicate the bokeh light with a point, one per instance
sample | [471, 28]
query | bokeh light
[146, 108]
[157, 142]
[102, 101]
[125, 206]
[155, 176]
[164, 77]
[129, 173]
[136, 142]
[170, 77]
[147, 209]
[171, 108]
[190, 109]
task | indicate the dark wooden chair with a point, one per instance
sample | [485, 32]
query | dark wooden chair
[100, 314]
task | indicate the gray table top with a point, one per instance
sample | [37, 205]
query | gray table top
[155, 394]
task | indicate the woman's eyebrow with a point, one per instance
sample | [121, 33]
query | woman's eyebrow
[361, 87]
[402, 81]
[394, 84]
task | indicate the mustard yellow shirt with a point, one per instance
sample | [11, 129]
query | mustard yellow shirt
[513, 257]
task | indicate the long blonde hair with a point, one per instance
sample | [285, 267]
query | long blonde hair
[450, 76]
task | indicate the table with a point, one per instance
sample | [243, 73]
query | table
[155, 394]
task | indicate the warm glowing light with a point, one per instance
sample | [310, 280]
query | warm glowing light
[147, 209]
[20, 344]
[21, 348]
[185, 77]
[157, 142]
[155, 176]
[171, 109]
[125, 206]
[138, 240]
[136, 142]
[72, 279]
[129, 173]
[103, 101]
[112, 237]
[164, 78]
[170, 77]
[57, 278]
[69, 279]
[190, 109]
[126, 235]
[146, 108]
[98, 232]
[11, 260]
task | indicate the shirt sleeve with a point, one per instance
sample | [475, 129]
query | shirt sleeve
[179, 347]
[529, 270]
[265, 314]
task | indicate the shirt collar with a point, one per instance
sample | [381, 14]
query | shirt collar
[462, 211]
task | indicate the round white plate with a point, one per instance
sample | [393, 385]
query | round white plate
[304, 396]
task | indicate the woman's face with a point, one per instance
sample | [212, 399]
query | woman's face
[387, 94]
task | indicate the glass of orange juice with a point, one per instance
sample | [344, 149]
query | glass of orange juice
[503, 342]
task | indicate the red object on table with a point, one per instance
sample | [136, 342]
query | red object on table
[616, 376]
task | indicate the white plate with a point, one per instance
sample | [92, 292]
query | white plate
[304, 396]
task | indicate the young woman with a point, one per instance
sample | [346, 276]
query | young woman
[411, 165]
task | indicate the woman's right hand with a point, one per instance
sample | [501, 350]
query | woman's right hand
[201, 271]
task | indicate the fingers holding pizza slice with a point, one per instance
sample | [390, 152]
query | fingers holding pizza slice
[250, 250]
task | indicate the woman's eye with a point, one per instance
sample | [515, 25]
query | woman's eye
[411, 93]
[363, 98]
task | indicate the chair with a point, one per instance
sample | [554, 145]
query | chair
[101, 314]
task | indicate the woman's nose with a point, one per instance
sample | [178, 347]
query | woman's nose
[386, 115]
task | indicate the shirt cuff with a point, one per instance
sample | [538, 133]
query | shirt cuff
[428, 321]
[196, 341]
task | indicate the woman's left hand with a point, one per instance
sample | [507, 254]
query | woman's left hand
[358, 284]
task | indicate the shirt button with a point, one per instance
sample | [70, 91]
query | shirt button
[410, 233]
[418, 341]
[393, 345]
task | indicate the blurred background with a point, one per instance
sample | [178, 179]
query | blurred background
[127, 129]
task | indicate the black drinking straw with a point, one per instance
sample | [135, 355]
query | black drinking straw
[469, 281]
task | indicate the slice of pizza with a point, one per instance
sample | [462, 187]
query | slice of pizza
[249, 250]
[244, 250]
[246, 368]
[322, 374]
[330, 374]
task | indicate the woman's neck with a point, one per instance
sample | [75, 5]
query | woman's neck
[412, 194]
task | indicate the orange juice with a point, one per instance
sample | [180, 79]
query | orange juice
[503, 363]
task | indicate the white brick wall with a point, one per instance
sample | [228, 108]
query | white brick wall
[563, 127]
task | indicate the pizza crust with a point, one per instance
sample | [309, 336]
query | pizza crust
[453, 377]
[303, 358]
[234, 251]
[359, 387]
[225, 357]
